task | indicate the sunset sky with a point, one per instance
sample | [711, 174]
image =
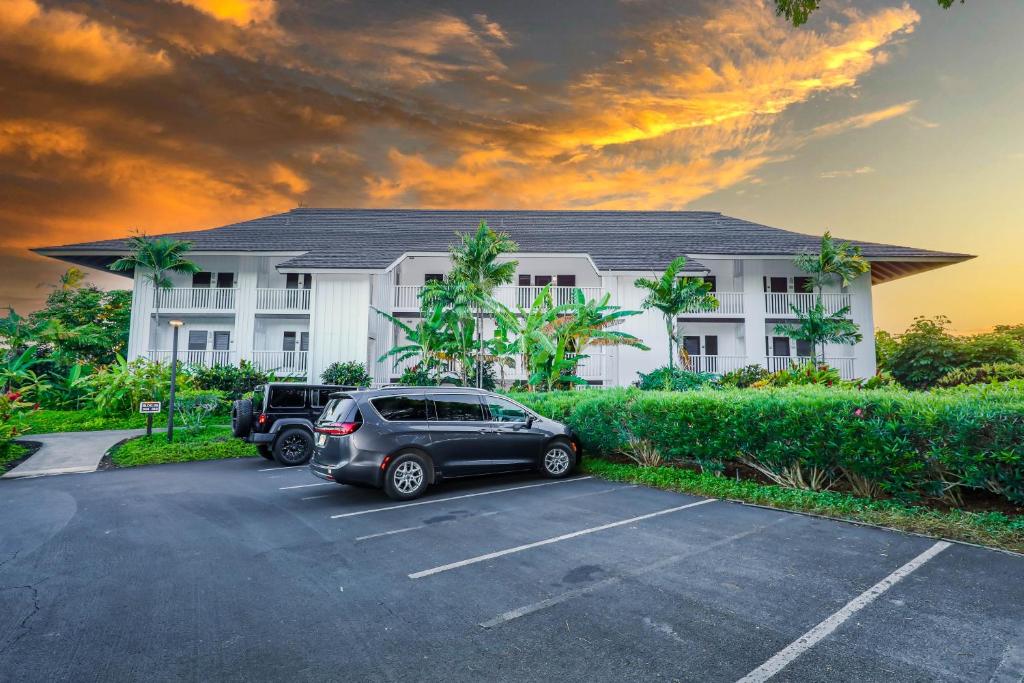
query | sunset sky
[883, 121]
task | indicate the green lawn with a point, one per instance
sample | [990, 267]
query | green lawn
[9, 453]
[212, 443]
[48, 421]
[990, 528]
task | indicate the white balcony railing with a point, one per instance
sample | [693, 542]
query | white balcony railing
[195, 299]
[782, 303]
[271, 299]
[718, 365]
[281, 362]
[207, 358]
[407, 297]
[729, 303]
[844, 365]
[590, 368]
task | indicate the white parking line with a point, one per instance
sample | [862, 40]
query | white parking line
[422, 526]
[306, 486]
[278, 469]
[808, 640]
[612, 580]
[547, 541]
[326, 495]
[468, 495]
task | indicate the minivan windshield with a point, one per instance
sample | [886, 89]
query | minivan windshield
[339, 410]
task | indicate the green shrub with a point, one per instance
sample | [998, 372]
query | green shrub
[885, 442]
[675, 379]
[118, 389]
[350, 373]
[194, 408]
[983, 374]
[802, 375]
[13, 414]
[744, 377]
[234, 380]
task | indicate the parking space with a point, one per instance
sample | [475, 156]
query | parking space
[238, 570]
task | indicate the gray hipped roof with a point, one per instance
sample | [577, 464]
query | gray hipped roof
[615, 240]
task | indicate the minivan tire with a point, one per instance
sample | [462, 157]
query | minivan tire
[558, 459]
[407, 477]
[293, 447]
[241, 417]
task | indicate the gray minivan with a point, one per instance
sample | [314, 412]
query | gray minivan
[403, 439]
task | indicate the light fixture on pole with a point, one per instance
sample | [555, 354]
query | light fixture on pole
[175, 325]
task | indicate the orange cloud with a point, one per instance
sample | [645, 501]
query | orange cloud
[71, 45]
[238, 12]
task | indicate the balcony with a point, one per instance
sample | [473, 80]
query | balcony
[407, 297]
[591, 368]
[282, 363]
[205, 359]
[717, 365]
[843, 365]
[729, 304]
[269, 300]
[205, 299]
[782, 303]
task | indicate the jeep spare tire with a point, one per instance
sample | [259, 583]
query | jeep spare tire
[241, 417]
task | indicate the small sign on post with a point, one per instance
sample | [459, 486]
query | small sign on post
[149, 409]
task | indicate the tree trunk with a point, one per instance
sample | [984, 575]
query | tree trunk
[480, 347]
[671, 338]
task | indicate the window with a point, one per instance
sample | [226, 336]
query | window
[711, 345]
[778, 285]
[524, 280]
[225, 280]
[802, 283]
[692, 345]
[287, 397]
[503, 410]
[201, 279]
[713, 281]
[197, 340]
[288, 344]
[298, 281]
[340, 410]
[322, 396]
[401, 408]
[457, 408]
[780, 346]
[804, 348]
[295, 341]
[221, 341]
[433, 277]
[304, 341]
[566, 280]
[541, 280]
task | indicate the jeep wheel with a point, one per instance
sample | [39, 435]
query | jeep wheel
[293, 447]
[241, 417]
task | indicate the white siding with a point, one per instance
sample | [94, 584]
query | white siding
[339, 320]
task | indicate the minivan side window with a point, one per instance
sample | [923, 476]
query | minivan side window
[503, 410]
[457, 408]
[401, 408]
[287, 397]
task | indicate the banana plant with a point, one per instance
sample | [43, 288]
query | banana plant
[15, 370]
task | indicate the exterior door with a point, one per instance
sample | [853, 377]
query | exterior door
[460, 439]
[515, 446]
[710, 353]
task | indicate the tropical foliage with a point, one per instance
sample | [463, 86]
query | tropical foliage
[154, 259]
[673, 294]
[350, 373]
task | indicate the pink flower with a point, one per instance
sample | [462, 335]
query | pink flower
[858, 412]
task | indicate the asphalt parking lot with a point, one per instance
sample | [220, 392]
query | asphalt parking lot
[235, 570]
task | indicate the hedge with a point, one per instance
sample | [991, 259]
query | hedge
[884, 442]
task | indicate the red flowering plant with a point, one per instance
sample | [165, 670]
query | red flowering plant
[12, 417]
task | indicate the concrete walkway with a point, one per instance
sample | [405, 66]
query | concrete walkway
[68, 452]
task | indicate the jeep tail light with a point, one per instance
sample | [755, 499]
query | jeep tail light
[337, 428]
[261, 420]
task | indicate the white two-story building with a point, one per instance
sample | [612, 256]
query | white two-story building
[294, 292]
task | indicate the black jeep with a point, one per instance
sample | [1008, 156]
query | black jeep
[279, 419]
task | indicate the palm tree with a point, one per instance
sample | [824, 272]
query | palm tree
[672, 295]
[835, 262]
[159, 256]
[475, 265]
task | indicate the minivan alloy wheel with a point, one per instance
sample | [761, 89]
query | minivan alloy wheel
[557, 460]
[408, 476]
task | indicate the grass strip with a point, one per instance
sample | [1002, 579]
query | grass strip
[10, 453]
[212, 443]
[993, 529]
[47, 421]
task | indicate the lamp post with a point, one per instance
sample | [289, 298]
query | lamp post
[175, 325]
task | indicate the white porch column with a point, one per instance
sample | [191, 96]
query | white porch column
[338, 320]
[245, 306]
[611, 358]
[862, 314]
[141, 323]
[753, 311]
